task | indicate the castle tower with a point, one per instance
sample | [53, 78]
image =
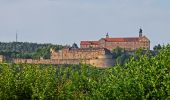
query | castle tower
[107, 35]
[140, 32]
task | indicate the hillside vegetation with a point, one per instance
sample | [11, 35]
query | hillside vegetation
[27, 50]
[143, 77]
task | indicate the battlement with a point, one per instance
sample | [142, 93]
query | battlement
[99, 57]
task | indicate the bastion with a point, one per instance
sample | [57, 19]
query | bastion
[98, 57]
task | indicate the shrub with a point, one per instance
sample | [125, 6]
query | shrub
[142, 78]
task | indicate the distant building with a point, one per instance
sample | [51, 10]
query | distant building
[99, 57]
[95, 53]
[1, 58]
[89, 44]
[128, 43]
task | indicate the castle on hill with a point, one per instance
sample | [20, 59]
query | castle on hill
[127, 43]
[96, 53]
[99, 57]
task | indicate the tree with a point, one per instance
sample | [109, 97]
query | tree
[157, 47]
[27, 50]
[118, 52]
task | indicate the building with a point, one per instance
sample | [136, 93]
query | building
[128, 43]
[96, 53]
[1, 58]
[99, 57]
[89, 44]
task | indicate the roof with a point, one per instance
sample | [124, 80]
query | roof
[89, 43]
[130, 39]
[91, 49]
[74, 46]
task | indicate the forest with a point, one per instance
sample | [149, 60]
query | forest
[27, 50]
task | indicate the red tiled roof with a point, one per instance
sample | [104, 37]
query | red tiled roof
[89, 43]
[131, 39]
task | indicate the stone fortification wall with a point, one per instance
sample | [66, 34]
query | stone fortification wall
[85, 53]
[98, 57]
[103, 61]
[98, 62]
[47, 61]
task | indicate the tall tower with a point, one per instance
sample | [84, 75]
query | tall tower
[140, 32]
[107, 35]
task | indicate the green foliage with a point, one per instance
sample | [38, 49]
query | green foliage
[27, 50]
[121, 55]
[118, 51]
[147, 77]
[157, 47]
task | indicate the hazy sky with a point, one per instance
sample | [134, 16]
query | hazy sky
[69, 21]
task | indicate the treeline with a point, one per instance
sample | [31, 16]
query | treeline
[27, 50]
[122, 56]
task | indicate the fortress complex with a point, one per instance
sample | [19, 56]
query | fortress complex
[127, 43]
[99, 57]
[95, 53]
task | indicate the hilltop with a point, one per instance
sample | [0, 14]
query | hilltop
[27, 50]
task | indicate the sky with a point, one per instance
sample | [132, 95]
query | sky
[68, 21]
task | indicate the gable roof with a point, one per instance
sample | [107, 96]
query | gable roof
[89, 43]
[130, 39]
[144, 38]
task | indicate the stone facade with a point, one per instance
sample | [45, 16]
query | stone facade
[95, 53]
[80, 53]
[128, 43]
[1, 58]
[99, 57]
[89, 44]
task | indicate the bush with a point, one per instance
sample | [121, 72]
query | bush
[142, 78]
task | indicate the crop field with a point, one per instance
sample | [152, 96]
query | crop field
[143, 77]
